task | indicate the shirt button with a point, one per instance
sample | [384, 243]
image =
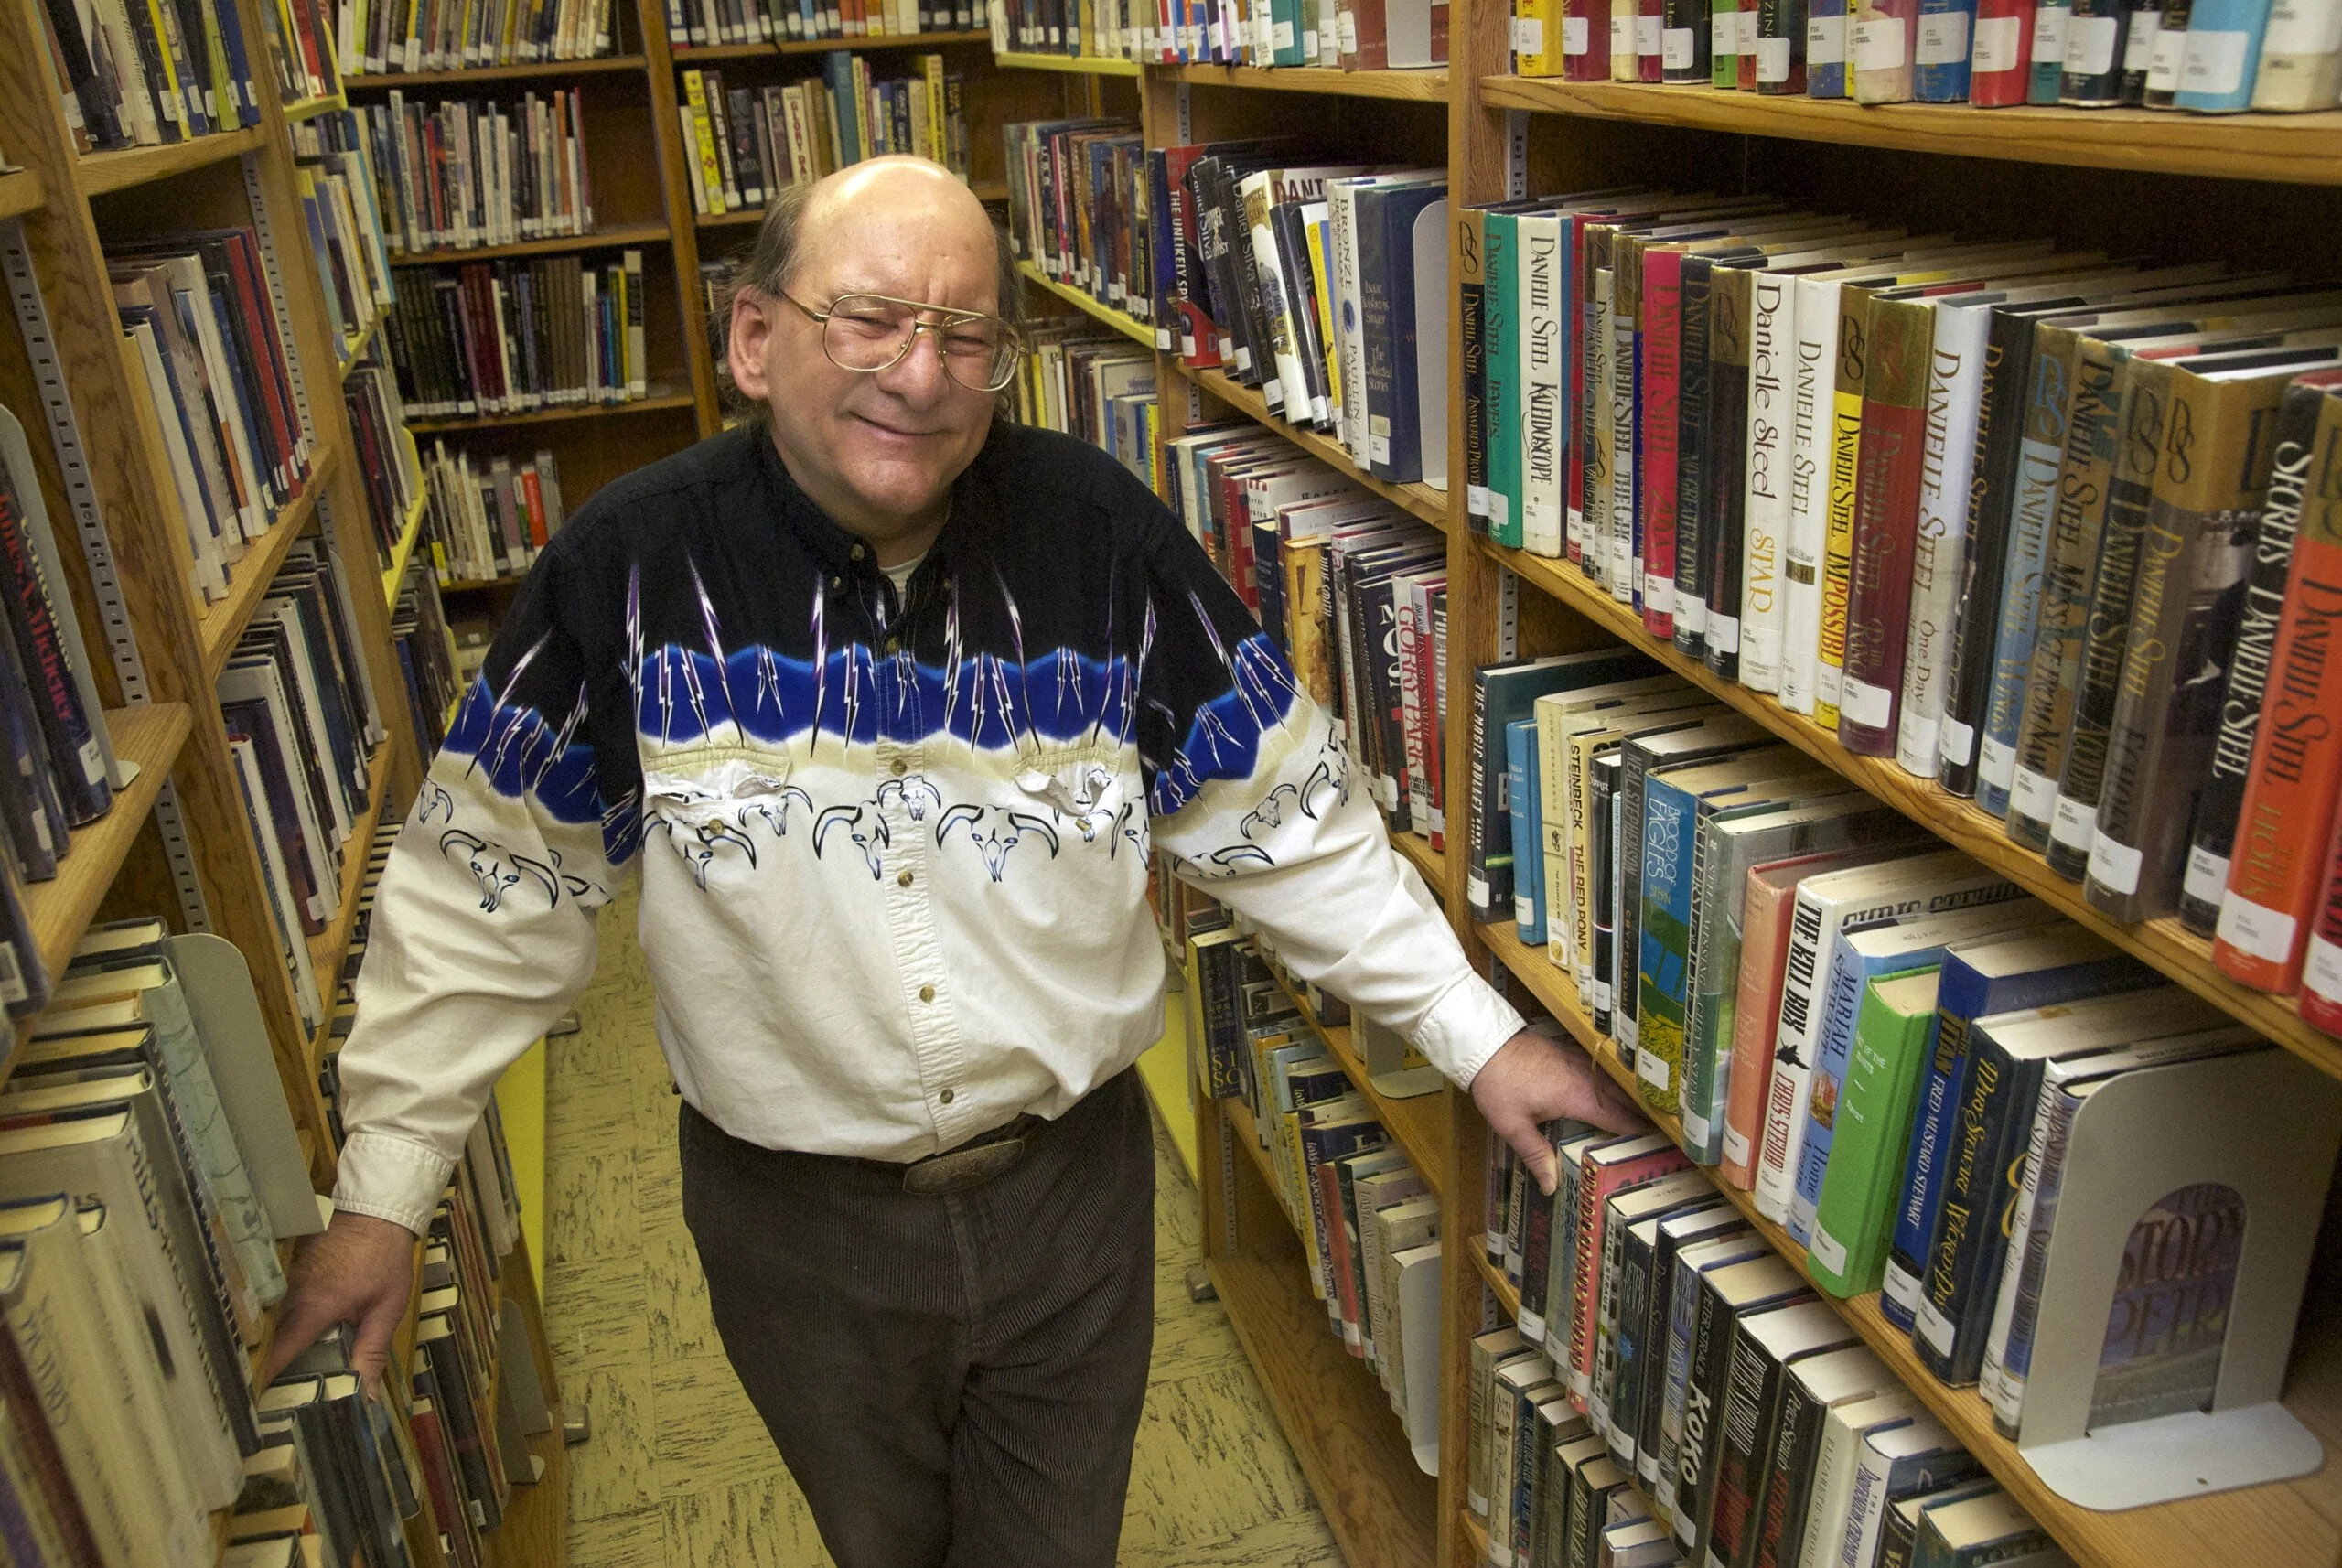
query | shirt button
[855, 553]
[926, 994]
[903, 879]
[899, 767]
[837, 582]
[945, 1097]
[894, 645]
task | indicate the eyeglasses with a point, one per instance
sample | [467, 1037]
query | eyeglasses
[871, 332]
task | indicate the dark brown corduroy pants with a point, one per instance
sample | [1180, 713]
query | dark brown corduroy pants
[954, 1381]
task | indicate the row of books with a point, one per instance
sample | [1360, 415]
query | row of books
[1729, 1418]
[488, 517]
[425, 647]
[205, 334]
[303, 724]
[138, 75]
[1830, 1004]
[1353, 589]
[715, 22]
[467, 172]
[2211, 56]
[512, 336]
[387, 36]
[63, 769]
[1939, 497]
[1368, 1221]
[1324, 286]
[301, 49]
[148, 1167]
[1096, 386]
[1354, 35]
[388, 465]
[748, 143]
[334, 174]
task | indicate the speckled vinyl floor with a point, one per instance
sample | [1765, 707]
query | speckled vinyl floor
[679, 1471]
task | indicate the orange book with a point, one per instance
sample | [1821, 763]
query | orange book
[1764, 954]
[2285, 820]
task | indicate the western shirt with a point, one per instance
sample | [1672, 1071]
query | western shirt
[893, 847]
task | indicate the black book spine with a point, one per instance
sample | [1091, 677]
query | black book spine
[1721, 519]
[1704, 1393]
[1630, 1342]
[1472, 292]
[1797, 1448]
[1692, 501]
[2008, 354]
[2256, 644]
[73, 750]
[1961, 1285]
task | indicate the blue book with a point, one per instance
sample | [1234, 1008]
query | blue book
[1827, 26]
[837, 70]
[2223, 55]
[1527, 831]
[1891, 945]
[1999, 975]
[2046, 75]
[2041, 449]
[1386, 269]
[1939, 64]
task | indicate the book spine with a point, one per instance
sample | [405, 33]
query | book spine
[2296, 759]
[1792, 1065]
[2091, 73]
[1661, 417]
[2301, 56]
[1825, 48]
[1724, 519]
[1886, 519]
[1723, 45]
[1683, 42]
[1838, 542]
[1542, 438]
[1621, 422]
[1691, 499]
[1664, 871]
[1527, 888]
[1471, 290]
[2033, 510]
[2222, 55]
[1941, 60]
[2008, 356]
[2046, 73]
[1585, 40]
[1704, 1391]
[2008, 1348]
[1780, 46]
[1955, 387]
[1964, 1254]
[1764, 606]
[1884, 35]
[1593, 446]
[1756, 1015]
[1749, 1389]
[1500, 330]
[1804, 542]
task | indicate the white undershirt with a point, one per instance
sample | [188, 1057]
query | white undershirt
[901, 575]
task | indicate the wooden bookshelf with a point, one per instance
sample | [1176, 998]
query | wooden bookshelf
[1129, 326]
[461, 80]
[1431, 863]
[410, 531]
[248, 579]
[607, 237]
[2297, 148]
[1422, 500]
[2184, 957]
[310, 108]
[1508, 1295]
[20, 191]
[1071, 65]
[657, 403]
[328, 947]
[1418, 1125]
[99, 172]
[1425, 85]
[2294, 1522]
[712, 54]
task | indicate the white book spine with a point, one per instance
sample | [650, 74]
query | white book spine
[1812, 929]
[1813, 382]
[1542, 445]
[1342, 204]
[1764, 607]
[1947, 462]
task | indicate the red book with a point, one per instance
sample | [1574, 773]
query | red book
[1649, 34]
[2000, 59]
[1344, 1300]
[1586, 424]
[1585, 40]
[1887, 522]
[1662, 344]
[1605, 1171]
[1427, 712]
[534, 491]
[2287, 816]
[1238, 546]
[447, 1511]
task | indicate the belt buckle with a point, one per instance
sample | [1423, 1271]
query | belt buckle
[962, 1169]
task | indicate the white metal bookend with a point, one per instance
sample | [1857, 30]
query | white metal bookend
[2267, 1126]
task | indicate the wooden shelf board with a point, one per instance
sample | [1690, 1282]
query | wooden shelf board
[1418, 1125]
[1428, 85]
[354, 349]
[1508, 1295]
[1075, 65]
[2294, 1522]
[310, 108]
[552, 245]
[58, 911]
[479, 584]
[2304, 148]
[535, 1517]
[1383, 1510]
[20, 192]
[99, 172]
[2163, 943]
[659, 401]
[1431, 863]
[1129, 326]
[223, 622]
[1422, 500]
[409, 533]
[330, 946]
[696, 53]
[518, 72]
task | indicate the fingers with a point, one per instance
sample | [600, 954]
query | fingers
[1528, 1142]
[372, 1354]
[307, 1312]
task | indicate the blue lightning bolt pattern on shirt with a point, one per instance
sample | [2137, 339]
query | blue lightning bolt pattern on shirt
[892, 847]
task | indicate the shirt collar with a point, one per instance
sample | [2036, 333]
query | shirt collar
[835, 547]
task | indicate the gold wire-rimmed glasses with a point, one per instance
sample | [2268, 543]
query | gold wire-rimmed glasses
[867, 333]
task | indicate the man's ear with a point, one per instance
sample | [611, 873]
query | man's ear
[752, 327]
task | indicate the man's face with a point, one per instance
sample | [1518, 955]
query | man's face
[876, 450]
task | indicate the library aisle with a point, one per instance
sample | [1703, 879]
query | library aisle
[679, 1472]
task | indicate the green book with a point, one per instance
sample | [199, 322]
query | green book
[1501, 359]
[1724, 34]
[1855, 1218]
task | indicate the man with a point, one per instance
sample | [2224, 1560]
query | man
[887, 702]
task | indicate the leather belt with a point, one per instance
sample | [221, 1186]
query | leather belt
[982, 1158]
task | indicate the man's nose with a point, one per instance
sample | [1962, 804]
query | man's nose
[918, 376]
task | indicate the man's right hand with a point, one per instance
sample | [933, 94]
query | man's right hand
[361, 1270]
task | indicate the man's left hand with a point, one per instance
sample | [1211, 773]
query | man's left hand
[1532, 1080]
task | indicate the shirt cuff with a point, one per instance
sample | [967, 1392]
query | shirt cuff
[391, 1177]
[1465, 1028]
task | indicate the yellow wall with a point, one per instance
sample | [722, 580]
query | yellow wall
[1164, 1068]
[520, 1102]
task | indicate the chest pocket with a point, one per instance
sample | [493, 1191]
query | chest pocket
[714, 803]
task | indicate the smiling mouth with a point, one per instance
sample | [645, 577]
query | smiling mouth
[896, 431]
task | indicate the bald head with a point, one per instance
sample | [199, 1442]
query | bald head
[896, 190]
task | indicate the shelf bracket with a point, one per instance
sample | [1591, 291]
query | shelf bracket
[1516, 154]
